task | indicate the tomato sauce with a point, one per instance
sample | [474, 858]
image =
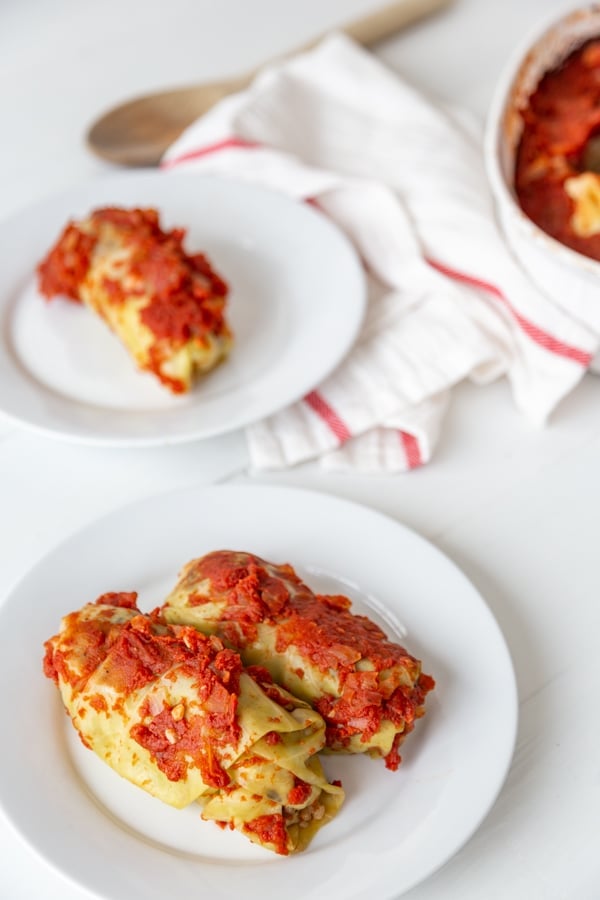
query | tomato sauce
[299, 794]
[186, 296]
[561, 116]
[270, 829]
[67, 264]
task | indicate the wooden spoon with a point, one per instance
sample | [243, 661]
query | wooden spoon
[138, 132]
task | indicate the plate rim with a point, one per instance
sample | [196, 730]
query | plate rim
[310, 495]
[355, 316]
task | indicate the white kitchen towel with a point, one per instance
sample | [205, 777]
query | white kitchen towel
[405, 181]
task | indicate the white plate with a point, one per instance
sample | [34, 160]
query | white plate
[395, 827]
[296, 303]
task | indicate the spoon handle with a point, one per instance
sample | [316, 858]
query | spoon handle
[389, 19]
[368, 30]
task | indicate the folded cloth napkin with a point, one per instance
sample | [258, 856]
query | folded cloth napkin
[405, 181]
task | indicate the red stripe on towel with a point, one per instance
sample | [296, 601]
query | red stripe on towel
[322, 408]
[412, 449]
[225, 144]
[545, 340]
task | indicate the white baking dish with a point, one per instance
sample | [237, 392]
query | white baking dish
[569, 278]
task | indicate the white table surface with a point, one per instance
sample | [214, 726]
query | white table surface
[515, 507]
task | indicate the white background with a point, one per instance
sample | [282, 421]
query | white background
[516, 508]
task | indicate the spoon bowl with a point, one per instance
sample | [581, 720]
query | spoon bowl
[138, 132]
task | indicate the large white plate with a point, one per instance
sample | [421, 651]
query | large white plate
[395, 827]
[296, 304]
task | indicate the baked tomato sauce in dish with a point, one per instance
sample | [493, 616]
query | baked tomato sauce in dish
[557, 178]
[167, 306]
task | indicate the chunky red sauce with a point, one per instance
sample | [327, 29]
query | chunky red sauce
[186, 295]
[562, 114]
[195, 741]
[67, 264]
[97, 702]
[299, 794]
[326, 633]
[270, 830]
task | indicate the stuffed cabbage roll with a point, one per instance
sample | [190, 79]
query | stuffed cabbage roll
[369, 690]
[165, 305]
[174, 712]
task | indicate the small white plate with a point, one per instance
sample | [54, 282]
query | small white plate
[395, 828]
[297, 299]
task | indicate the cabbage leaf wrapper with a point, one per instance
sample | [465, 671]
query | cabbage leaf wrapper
[369, 690]
[175, 712]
